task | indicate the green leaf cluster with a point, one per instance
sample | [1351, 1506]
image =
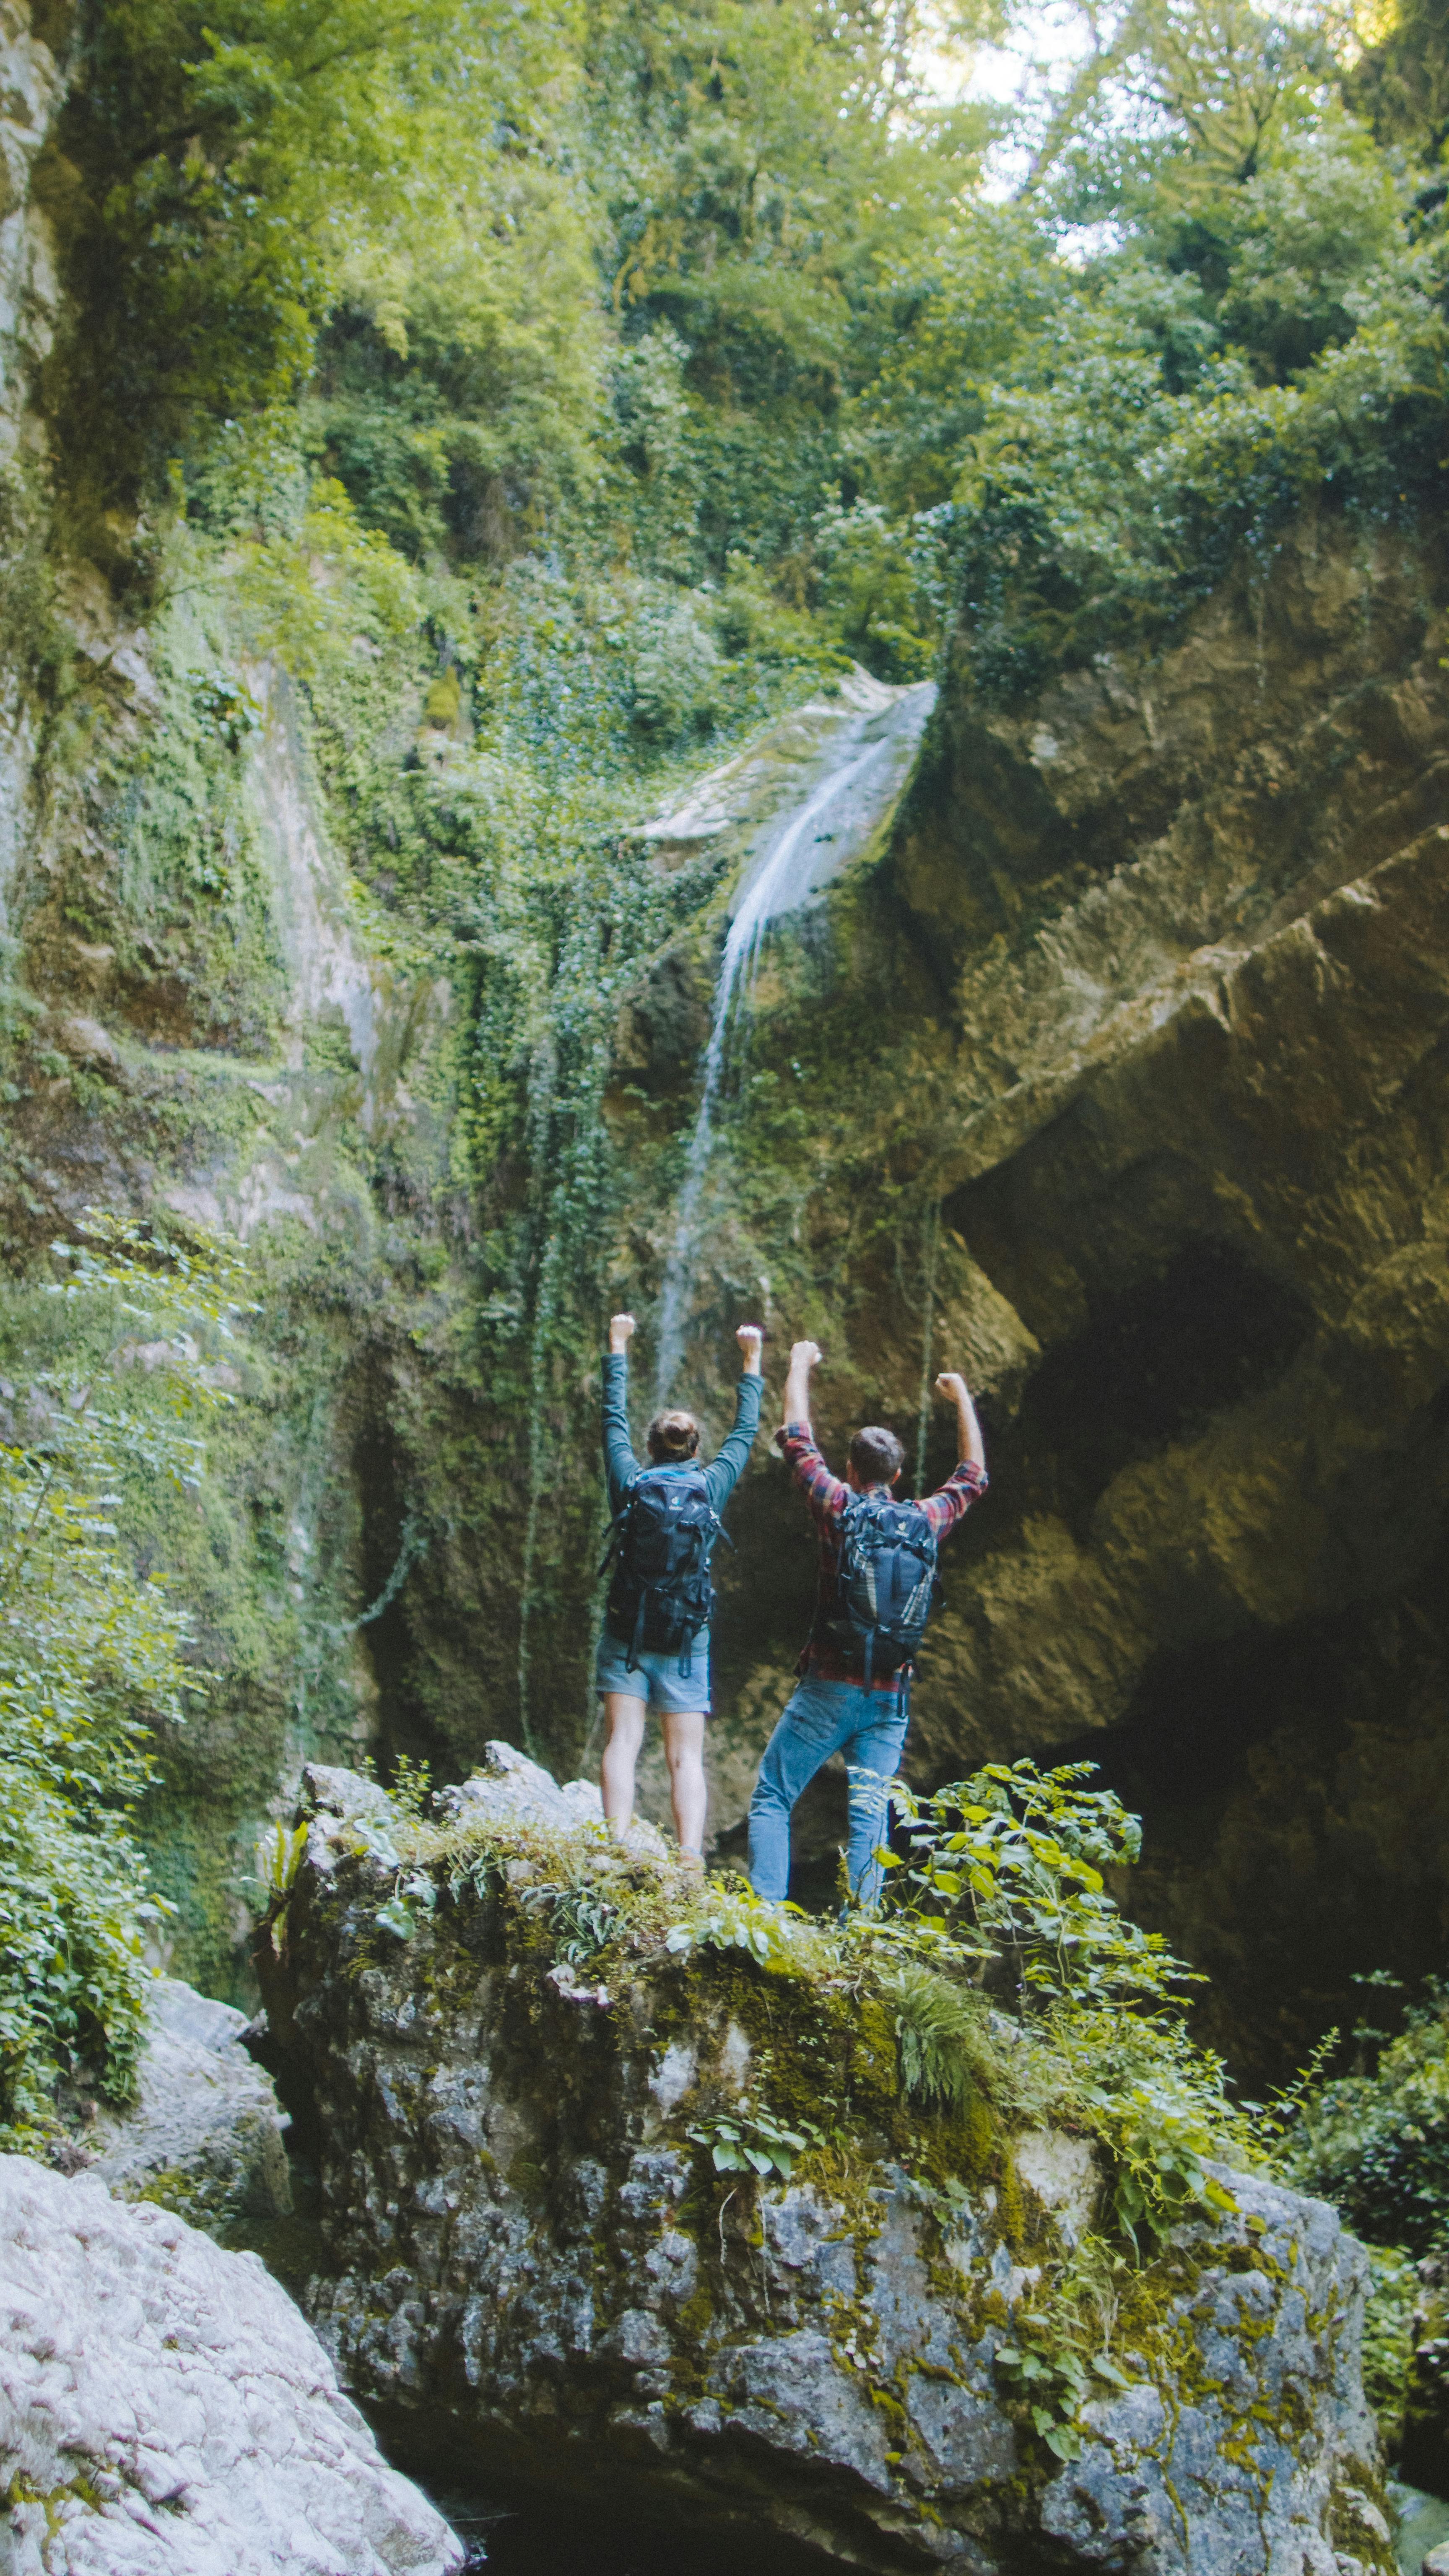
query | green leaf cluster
[1009, 1864]
[1376, 2142]
[748, 2139]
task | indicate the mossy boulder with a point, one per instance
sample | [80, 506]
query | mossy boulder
[521, 2074]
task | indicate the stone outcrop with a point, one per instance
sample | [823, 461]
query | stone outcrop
[204, 2135]
[165, 2411]
[534, 2267]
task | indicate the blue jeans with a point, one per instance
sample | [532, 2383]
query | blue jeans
[819, 1719]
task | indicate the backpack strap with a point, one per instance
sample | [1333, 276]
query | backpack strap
[631, 1660]
[614, 1541]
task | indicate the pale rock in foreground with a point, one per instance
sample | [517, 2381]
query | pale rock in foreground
[166, 2411]
[204, 2135]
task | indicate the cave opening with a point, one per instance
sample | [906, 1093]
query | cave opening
[1153, 1363]
[1295, 1803]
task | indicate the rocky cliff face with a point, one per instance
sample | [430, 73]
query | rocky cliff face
[1123, 1082]
[1201, 1152]
[536, 2269]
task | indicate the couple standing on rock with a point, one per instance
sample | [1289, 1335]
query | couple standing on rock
[877, 1576]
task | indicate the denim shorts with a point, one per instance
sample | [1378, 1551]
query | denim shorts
[656, 1679]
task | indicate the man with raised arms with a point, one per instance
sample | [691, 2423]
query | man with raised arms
[877, 1575]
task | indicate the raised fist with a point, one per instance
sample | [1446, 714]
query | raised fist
[620, 1329]
[951, 1385]
[804, 1354]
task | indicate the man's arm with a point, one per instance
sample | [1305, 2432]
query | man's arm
[619, 1460]
[804, 1356]
[967, 1480]
[824, 1493]
[970, 1447]
[724, 1472]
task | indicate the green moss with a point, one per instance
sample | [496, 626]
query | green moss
[443, 700]
[1011, 2211]
[177, 2190]
[964, 2142]
[696, 2315]
[80, 2489]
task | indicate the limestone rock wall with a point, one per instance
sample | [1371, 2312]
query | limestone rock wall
[1147, 1129]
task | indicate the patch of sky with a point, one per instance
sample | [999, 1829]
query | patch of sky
[1026, 75]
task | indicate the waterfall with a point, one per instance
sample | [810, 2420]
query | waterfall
[867, 762]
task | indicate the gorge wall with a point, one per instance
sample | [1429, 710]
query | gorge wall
[1154, 985]
[1117, 1077]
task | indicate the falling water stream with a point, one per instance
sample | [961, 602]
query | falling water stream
[871, 737]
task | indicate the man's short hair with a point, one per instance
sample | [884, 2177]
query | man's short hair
[671, 1437]
[876, 1455]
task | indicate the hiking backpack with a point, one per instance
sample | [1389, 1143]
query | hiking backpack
[885, 1583]
[661, 1595]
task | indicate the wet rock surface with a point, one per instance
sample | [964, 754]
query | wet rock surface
[533, 2270]
[165, 2410]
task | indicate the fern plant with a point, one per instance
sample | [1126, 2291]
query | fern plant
[939, 2031]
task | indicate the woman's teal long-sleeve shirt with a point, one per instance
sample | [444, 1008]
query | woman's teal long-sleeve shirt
[720, 1476]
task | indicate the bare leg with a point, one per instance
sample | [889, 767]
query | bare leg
[624, 1723]
[684, 1752]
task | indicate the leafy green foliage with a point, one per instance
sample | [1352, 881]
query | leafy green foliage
[749, 2140]
[216, 174]
[75, 1904]
[1004, 1870]
[1258, 319]
[731, 1917]
[1377, 2143]
[939, 2026]
[1011, 1861]
[1395, 2290]
[111, 1377]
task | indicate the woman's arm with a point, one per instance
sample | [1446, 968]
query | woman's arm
[620, 1463]
[724, 1473]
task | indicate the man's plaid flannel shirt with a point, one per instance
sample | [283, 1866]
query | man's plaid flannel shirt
[827, 1498]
